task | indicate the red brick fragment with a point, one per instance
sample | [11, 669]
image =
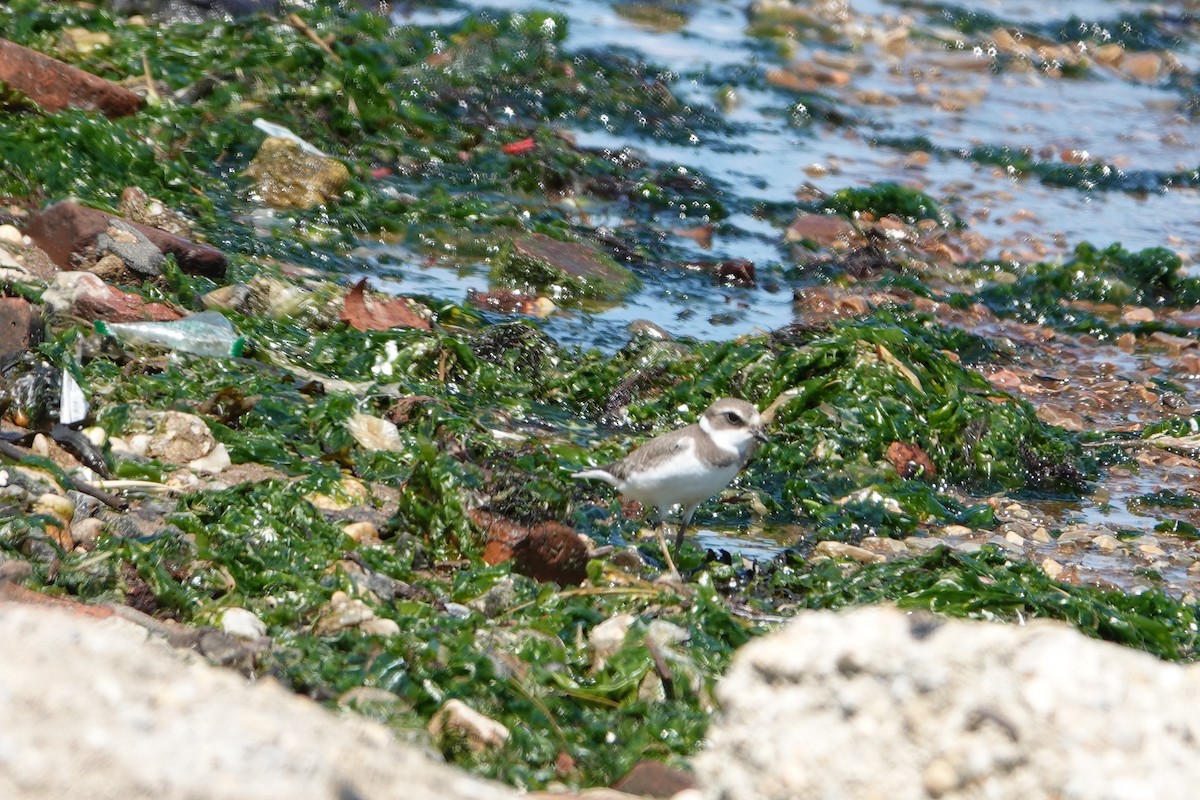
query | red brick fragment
[54, 85]
[20, 326]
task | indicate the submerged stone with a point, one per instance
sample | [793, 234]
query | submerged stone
[566, 271]
[286, 176]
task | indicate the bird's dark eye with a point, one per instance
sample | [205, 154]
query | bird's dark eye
[733, 418]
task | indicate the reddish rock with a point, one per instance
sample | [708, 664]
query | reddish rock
[20, 326]
[546, 551]
[822, 229]
[911, 461]
[54, 85]
[655, 779]
[68, 228]
[736, 272]
[86, 296]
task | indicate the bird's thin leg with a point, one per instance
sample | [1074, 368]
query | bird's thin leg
[684, 521]
[666, 551]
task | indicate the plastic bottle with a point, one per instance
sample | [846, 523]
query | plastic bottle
[208, 333]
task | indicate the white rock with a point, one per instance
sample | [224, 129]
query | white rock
[479, 731]
[375, 433]
[380, 626]
[10, 235]
[213, 463]
[150, 720]
[607, 637]
[880, 703]
[242, 623]
[67, 287]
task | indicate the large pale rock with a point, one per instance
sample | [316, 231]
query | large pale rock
[151, 721]
[877, 703]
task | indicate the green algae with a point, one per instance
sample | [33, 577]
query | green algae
[991, 585]
[1150, 277]
[885, 198]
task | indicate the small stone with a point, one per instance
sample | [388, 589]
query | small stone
[957, 530]
[1052, 568]
[1002, 542]
[85, 532]
[940, 777]
[478, 731]
[133, 247]
[380, 626]
[456, 610]
[1127, 342]
[880, 544]
[607, 638]
[1145, 67]
[1106, 543]
[1151, 550]
[655, 779]
[664, 633]
[496, 600]
[364, 533]
[348, 493]
[922, 544]
[20, 326]
[1015, 538]
[242, 624]
[215, 462]
[286, 176]
[841, 550]
[1075, 536]
[10, 235]
[1110, 55]
[1041, 535]
[821, 229]
[341, 612]
[86, 295]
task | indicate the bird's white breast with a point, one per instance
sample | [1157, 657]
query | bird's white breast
[682, 479]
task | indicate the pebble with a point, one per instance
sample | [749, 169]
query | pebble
[606, 638]
[1076, 536]
[1105, 543]
[1052, 568]
[86, 532]
[1001, 541]
[1144, 67]
[242, 624]
[364, 533]
[924, 543]
[881, 544]
[1151, 550]
[10, 235]
[341, 612]
[940, 777]
[1041, 535]
[380, 626]
[1015, 538]
[862, 555]
[957, 530]
[480, 732]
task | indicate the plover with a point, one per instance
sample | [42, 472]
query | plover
[686, 467]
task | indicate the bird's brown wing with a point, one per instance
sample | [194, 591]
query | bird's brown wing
[655, 451]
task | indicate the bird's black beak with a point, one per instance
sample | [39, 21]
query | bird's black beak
[759, 434]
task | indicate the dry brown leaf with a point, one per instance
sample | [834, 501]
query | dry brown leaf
[364, 316]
